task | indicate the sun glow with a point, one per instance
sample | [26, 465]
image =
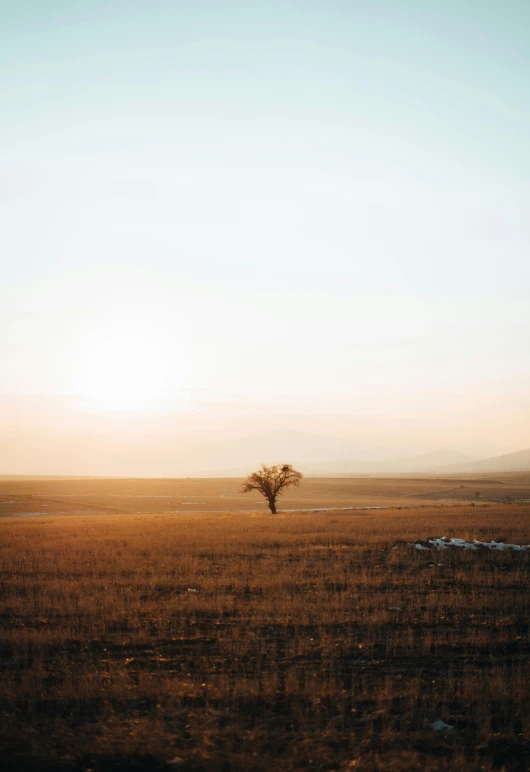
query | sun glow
[126, 367]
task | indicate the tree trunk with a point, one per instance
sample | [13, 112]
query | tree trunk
[272, 506]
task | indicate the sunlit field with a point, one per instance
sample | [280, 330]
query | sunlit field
[45, 495]
[248, 641]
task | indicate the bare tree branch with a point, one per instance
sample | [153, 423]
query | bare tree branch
[271, 480]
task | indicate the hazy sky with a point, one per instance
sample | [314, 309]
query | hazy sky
[309, 213]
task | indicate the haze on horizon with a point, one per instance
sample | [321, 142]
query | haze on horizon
[230, 221]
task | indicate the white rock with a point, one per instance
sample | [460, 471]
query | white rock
[441, 726]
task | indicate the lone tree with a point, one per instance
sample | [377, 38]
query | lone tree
[271, 480]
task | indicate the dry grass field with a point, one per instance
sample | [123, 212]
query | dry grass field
[38, 496]
[247, 641]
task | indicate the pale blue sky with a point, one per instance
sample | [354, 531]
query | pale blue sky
[300, 206]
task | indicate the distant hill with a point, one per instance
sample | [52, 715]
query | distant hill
[425, 463]
[509, 462]
[325, 455]
[346, 466]
[438, 462]
[317, 454]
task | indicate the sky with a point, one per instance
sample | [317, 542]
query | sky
[224, 220]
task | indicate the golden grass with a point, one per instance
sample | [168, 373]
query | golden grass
[136, 496]
[258, 642]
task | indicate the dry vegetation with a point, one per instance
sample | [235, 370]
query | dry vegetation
[261, 642]
[164, 496]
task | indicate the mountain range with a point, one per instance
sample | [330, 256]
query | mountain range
[322, 455]
[509, 462]
[437, 462]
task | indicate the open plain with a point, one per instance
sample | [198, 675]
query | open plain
[240, 640]
[107, 495]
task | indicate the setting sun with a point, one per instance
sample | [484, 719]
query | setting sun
[124, 366]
